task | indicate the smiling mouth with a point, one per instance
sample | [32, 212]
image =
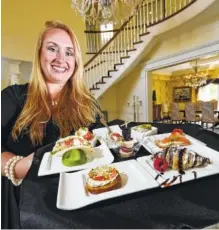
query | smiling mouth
[59, 69]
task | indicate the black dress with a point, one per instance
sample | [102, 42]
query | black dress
[13, 100]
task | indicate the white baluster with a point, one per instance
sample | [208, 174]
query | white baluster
[156, 10]
[144, 17]
[170, 7]
[161, 9]
[148, 21]
[152, 13]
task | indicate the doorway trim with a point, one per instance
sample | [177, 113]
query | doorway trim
[167, 61]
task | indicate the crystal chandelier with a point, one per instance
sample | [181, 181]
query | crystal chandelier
[196, 79]
[105, 11]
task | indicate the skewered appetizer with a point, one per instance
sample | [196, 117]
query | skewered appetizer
[102, 179]
[127, 145]
[177, 137]
[127, 148]
[178, 159]
[116, 137]
[126, 133]
[70, 142]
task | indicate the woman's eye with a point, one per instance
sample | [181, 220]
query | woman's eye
[52, 49]
[69, 54]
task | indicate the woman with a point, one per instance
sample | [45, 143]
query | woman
[54, 104]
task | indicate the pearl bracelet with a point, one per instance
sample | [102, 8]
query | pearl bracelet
[9, 170]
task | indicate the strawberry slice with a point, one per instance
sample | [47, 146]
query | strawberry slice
[160, 164]
[180, 131]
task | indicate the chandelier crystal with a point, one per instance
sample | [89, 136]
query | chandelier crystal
[105, 11]
[196, 79]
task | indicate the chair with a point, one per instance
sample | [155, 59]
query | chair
[208, 115]
[214, 103]
[199, 104]
[174, 114]
[157, 112]
[190, 112]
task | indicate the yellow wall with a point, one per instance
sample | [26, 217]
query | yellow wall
[163, 85]
[23, 20]
[109, 102]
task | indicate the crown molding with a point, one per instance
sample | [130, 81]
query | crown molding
[184, 56]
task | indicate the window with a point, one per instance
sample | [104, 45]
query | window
[106, 36]
[209, 92]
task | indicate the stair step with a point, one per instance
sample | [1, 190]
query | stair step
[131, 50]
[137, 42]
[125, 57]
[100, 82]
[106, 77]
[93, 88]
[114, 70]
[118, 64]
[144, 34]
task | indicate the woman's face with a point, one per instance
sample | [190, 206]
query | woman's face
[57, 57]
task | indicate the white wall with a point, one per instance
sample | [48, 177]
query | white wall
[201, 30]
[9, 66]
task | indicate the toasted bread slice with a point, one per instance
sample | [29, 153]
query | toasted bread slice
[115, 184]
[160, 144]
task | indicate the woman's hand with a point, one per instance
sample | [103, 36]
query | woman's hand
[23, 166]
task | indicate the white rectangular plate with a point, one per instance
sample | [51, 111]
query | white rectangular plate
[190, 174]
[103, 134]
[71, 190]
[140, 135]
[53, 164]
[149, 142]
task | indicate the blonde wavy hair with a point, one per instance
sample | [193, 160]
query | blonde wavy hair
[76, 107]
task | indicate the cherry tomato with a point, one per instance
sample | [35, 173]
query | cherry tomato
[88, 136]
[68, 142]
[99, 178]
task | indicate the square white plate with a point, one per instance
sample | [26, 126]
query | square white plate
[140, 135]
[103, 134]
[149, 142]
[190, 174]
[53, 164]
[71, 190]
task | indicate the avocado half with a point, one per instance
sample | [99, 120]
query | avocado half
[74, 157]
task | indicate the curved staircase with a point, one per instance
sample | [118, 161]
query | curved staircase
[135, 39]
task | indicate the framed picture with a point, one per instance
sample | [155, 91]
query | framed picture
[182, 94]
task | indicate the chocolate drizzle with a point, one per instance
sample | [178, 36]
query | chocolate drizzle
[158, 175]
[195, 161]
[180, 160]
[164, 182]
[195, 174]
